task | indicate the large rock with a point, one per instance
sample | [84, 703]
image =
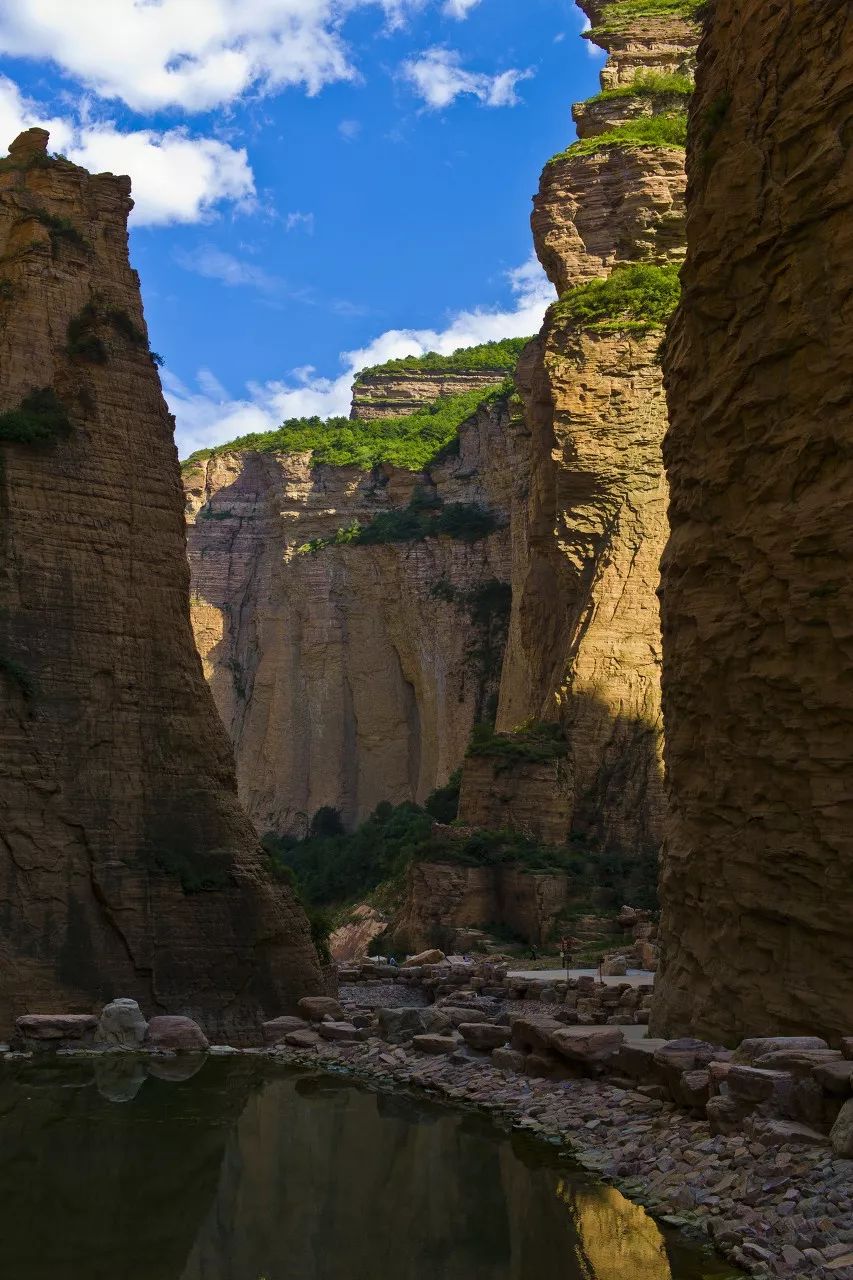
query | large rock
[127, 863]
[343, 1031]
[484, 1036]
[532, 1033]
[182, 1035]
[54, 1029]
[399, 1025]
[750, 1050]
[277, 1028]
[436, 1044]
[757, 872]
[433, 956]
[121, 1024]
[316, 1008]
[841, 1134]
[587, 1046]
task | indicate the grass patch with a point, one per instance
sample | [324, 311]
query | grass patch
[499, 356]
[408, 442]
[533, 743]
[636, 298]
[668, 130]
[622, 13]
[40, 418]
[648, 84]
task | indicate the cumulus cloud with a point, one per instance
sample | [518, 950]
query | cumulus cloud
[176, 177]
[437, 76]
[197, 55]
[204, 419]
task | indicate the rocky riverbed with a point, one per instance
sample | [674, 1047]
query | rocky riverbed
[774, 1211]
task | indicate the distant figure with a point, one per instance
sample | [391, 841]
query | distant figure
[533, 952]
[567, 946]
[392, 961]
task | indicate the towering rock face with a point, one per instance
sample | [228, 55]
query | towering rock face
[584, 644]
[758, 676]
[348, 674]
[126, 864]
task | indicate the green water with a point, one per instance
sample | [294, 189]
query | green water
[249, 1172]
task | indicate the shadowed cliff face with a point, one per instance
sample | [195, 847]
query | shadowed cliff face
[351, 674]
[758, 670]
[126, 863]
[584, 636]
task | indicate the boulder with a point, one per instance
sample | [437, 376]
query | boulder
[847, 1047]
[399, 1025]
[435, 1044]
[484, 1036]
[748, 1050]
[433, 956]
[615, 967]
[315, 1008]
[170, 1031]
[755, 1084]
[508, 1059]
[306, 1039]
[841, 1134]
[458, 1015]
[531, 1033]
[343, 1031]
[695, 1090]
[781, 1133]
[51, 1029]
[121, 1025]
[636, 1058]
[835, 1077]
[277, 1028]
[725, 1115]
[587, 1045]
[800, 1061]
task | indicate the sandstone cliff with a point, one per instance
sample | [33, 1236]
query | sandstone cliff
[353, 673]
[126, 863]
[382, 395]
[584, 645]
[756, 602]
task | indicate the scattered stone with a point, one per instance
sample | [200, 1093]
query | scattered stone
[841, 1134]
[170, 1031]
[508, 1059]
[121, 1025]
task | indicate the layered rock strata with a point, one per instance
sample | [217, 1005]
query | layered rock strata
[758, 677]
[376, 394]
[350, 674]
[584, 645]
[126, 862]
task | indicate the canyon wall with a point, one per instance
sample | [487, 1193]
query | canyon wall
[757, 881]
[349, 674]
[584, 645]
[377, 394]
[126, 864]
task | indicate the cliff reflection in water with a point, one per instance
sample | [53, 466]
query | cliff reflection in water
[244, 1172]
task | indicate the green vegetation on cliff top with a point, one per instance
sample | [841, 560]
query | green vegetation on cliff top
[425, 517]
[536, 742]
[619, 14]
[635, 298]
[501, 356]
[668, 130]
[409, 442]
[648, 84]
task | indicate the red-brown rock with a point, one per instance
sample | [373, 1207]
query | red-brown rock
[182, 1035]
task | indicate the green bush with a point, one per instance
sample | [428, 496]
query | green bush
[636, 298]
[648, 84]
[83, 341]
[619, 14]
[61, 229]
[39, 419]
[499, 356]
[409, 442]
[466, 521]
[443, 803]
[534, 742]
[668, 130]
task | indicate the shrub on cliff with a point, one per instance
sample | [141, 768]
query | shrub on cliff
[501, 355]
[468, 521]
[619, 14]
[409, 442]
[533, 743]
[648, 84]
[39, 419]
[636, 298]
[668, 130]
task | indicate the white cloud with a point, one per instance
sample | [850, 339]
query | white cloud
[204, 419]
[215, 264]
[437, 77]
[194, 54]
[349, 129]
[176, 177]
[459, 8]
[292, 221]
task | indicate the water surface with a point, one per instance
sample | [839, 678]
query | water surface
[251, 1172]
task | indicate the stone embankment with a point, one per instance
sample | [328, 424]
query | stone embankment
[751, 1149]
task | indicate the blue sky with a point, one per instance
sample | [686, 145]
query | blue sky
[320, 183]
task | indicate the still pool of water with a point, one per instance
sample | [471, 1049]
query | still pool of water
[251, 1172]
